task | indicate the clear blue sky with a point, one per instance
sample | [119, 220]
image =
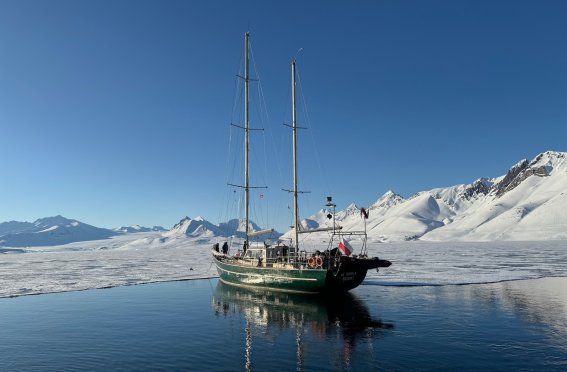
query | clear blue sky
[117, 112]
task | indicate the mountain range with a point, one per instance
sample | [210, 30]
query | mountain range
[58, 230]
[49, 231]
[138, 228]
[526, 203]
[199, 227]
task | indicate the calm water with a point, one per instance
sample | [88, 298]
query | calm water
[204, 325]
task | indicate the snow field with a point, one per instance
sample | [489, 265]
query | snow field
[145, 258]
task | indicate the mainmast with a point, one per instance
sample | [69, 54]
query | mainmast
[247, 132]
[294, 126]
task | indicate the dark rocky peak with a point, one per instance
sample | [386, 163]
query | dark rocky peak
[545, 162]
[521, 171]
[181, 222]
[478, 187]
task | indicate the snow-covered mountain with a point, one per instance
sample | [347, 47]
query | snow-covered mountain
[138, 228]
[49, 231]
[527, 203]
[200, 227]
[237, 227]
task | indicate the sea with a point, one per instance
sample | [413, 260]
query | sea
[206, 325]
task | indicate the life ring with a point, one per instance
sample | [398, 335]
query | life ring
[319, 261]
[311, 262]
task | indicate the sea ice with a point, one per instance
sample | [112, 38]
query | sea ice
[150, 257]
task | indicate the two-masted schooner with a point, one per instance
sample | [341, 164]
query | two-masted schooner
[285, 267]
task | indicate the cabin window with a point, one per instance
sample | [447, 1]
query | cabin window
[254, 253]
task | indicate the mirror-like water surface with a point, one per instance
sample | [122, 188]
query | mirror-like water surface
[206, 325]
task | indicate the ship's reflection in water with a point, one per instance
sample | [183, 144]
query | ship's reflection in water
[268, 314]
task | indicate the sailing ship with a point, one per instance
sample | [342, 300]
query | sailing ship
[286, 267]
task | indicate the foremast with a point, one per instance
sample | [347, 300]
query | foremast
[247, 130]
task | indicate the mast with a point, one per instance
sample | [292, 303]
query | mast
[247, 132]
[294, 126]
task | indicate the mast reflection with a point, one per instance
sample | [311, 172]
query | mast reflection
[268, 314]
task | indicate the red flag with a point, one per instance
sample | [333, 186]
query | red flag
[345, 247]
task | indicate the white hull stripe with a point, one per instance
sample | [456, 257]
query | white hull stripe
[252, 286]
[269, 276]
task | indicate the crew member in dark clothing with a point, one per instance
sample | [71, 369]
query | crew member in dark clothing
[225, 248]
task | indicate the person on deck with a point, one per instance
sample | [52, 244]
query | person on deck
[225, 248]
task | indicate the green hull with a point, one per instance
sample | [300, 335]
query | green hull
[233, 271]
